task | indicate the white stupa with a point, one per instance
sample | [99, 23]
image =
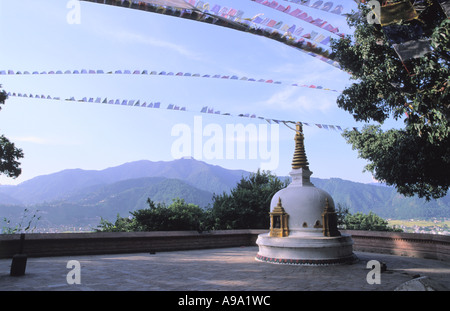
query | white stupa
[303, 222]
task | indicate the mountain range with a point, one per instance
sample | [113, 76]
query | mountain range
[79, 197]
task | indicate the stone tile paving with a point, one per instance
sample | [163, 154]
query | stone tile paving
[230, 269]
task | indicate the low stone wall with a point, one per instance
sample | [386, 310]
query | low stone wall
[68, 244]
[429, 246]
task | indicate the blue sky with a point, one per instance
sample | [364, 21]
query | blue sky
[58, 134]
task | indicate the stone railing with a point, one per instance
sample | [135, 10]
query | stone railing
[430, 246]
[68, 244]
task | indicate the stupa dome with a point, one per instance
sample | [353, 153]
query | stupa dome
[303, 221]
[305, 205]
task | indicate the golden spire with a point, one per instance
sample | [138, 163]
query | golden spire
[299, 160]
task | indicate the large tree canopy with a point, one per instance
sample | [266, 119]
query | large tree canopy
[9, 154]
[415, 158]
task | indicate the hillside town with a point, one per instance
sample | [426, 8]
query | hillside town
[432, 226]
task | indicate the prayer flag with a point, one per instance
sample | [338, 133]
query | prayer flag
[445, 5]
[412, 49]
[317, 4]
[327, 6]
[319, 38]
[216, 9]
[257, 20]
[295, 12]
[326, 40]
[271, 23]
[397, 12]
[338, 9]
[399, 33]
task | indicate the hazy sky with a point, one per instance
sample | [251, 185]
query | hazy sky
[57, 134]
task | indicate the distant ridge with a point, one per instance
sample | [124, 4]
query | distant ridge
[56, 186]
[81, 197]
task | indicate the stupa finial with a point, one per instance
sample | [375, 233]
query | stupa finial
[299, 160]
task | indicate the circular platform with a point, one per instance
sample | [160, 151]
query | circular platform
[306, 250]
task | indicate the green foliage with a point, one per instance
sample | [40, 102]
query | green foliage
[9, 154]
[413, 159]
[27, 223]
[248, 204]
[159, 217]
[122, 224]
[246, 207]
[370, 222]
[177, 216]
[342, 212]
[3, 97]
[410, 162]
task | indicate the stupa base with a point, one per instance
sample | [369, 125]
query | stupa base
[306, 250]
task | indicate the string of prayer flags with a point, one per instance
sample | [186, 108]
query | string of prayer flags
[320, 5]
[292, 32]
[157, 105]
[218, 16]
[302, 16]
[210, 110]
[155, 73]
[182, 4]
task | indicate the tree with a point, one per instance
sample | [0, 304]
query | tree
[416, 158]
[248, 204]
[159, 217]
[9, 154]
[370, 222]
[122, 224]
[177, 216]
[342, 212]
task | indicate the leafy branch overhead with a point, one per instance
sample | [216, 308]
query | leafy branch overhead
[401, 71]
[9, 154]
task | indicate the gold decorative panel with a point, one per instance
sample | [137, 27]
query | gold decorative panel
[279, 221]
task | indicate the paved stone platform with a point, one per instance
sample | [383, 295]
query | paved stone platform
[229, 269]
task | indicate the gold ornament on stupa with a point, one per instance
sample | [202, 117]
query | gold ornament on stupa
[299, 160]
